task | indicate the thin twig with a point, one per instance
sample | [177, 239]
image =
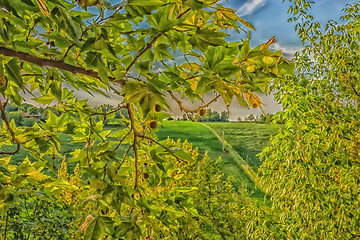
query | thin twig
[148, 46]
[121, 141]
[29, 92]
[113, 111]
[356, 92]
[135, 142]
[14, 139]
[166, 148]
[72, 45]
[125, 155]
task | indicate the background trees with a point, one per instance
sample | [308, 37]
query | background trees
[312, 169]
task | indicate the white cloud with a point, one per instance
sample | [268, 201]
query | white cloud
[287, 51]
[250, 6]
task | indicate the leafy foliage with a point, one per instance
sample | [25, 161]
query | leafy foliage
[50, 48]
[311, 170]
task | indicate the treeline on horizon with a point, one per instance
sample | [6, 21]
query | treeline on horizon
[27, 114]
[214, 116]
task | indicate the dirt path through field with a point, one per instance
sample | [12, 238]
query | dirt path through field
[238, 159]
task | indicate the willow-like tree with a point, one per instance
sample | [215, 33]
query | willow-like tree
[127, 183]
[312, 168]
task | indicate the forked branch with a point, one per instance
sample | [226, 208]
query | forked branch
[6, 120]
[187, 111]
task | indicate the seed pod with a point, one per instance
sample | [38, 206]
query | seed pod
[202, 112]
[146, 175]
[153, 124]
[3, 81]
[157, 108]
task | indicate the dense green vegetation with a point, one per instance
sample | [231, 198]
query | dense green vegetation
[206, 141]
[82, 180]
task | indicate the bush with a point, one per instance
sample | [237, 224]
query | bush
[28, 122]
[17, 116]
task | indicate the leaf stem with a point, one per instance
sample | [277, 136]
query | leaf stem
[134, 145]
[166, 148]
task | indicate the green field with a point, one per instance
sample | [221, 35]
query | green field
[206, 141]
[248, 139]
[203, 138]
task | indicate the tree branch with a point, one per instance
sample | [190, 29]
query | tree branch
[123, 160]
[148, 46]
[187, 111]
[14, 139]
[52, 63]
[121, 141]
[135, 142]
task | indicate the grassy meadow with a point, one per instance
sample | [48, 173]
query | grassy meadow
[247, 139]
[206, 141]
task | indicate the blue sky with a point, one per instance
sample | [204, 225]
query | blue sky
[269, 17]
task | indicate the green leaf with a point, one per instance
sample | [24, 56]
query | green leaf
[181, 154]
[244, 50]
[195, 4]
[159, 161]
[286, 68]
[162, 20]
[88, 44]
[46, 99]
[128, 228]
[93, 59]
[161, 51]
[26, 46]
[246, 24]
[99, 226]
[82, 14]
[145, 3]
[139, 92]
[204, 38]
[12, 70]
[214, 56]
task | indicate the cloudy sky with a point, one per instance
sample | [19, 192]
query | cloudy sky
[269, 17]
